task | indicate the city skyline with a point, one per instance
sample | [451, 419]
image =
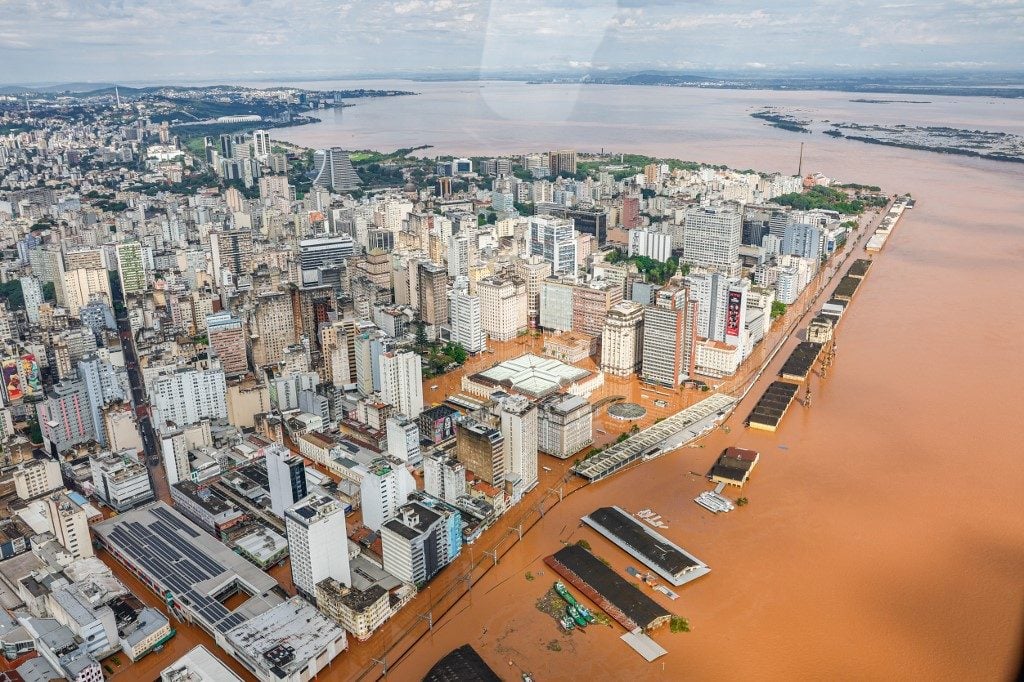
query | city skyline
[145, 41]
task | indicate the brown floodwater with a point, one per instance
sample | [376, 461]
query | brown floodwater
[884, 536]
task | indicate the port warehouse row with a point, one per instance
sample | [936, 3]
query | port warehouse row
[668, 560]
[878, 239]
[655, 439]
[772, 406]
[769, 410]
[616, 596]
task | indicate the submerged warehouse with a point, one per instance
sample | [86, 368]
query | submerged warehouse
[772, 406]
[660, 554]
[616, 596]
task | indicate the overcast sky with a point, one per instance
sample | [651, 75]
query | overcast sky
[179, 40]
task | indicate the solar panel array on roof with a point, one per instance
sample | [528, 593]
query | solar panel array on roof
[176, 564]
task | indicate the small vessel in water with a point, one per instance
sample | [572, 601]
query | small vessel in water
[574, 613]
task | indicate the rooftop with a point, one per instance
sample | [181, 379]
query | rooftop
[286, 638]
[199, 665]
[532, 375]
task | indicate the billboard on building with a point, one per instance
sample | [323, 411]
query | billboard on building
[444, 428]
[12, 379]
[733, 313]
[32, 379]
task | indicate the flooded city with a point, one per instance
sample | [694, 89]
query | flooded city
[882, 531]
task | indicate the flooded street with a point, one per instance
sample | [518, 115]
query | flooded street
[884, 536]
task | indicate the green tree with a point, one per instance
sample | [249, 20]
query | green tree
[12, 292]
[421, 334]
[456, 352]
[778, 309]
[49, 292]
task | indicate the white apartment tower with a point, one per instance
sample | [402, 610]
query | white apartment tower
[385, 487]
[466, 322]
[503, 307]
[317, 542]
[401, 382]
[519, 427]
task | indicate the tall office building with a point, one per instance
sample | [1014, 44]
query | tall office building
[261, 144]
[712, 236]
[385, 487]
[503, 307]
[669, 338]
[401, 379]
[554, 240]
[102, 386]
[272, 328]
[131, 267]
[590, 306]
[556, 300]
[286, 476]
[565, 425]
[334, 170]
[337, 344]
[562, 161]
[519, 431]
[317, 543]
[231, 251]
[622, 339]
[420, 541]
[323, 253]
[433, 293]
[533, 270]
[226, 338]
[482, 450]
[466, 324]
[460, 253]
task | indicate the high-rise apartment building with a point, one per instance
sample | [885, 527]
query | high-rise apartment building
[712, 237]
[286, 476]
[466, 320]
[503, 307]
[533, 270]
[261, 144]
[401, 379]
[562, 161]
[334, 170]
[403, 439]
[131, 267]
[231, 251]
[433, 293]
[272, 329]
[226, 338]
[622, 339]
[385, 487]
[420, 541]
[519, 431]
[482, 450]
[186, 396]
[317, 543]
[70, 525]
